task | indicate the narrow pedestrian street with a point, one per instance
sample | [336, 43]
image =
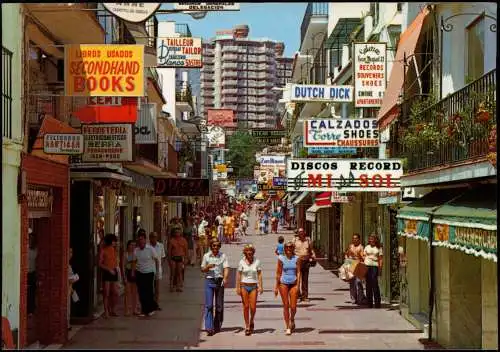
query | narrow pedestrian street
[328, 321]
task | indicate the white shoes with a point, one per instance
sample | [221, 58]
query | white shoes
[288, 331]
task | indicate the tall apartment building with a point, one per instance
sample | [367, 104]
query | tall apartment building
[240, 73]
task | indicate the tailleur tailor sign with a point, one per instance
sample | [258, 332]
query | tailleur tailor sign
[370, 74]
[135, 12]
[207, 6]
[314, 92]
[107, 142]
[331, 151]
[63, 143]
[341, 133]
[104, 70]
[184, 52]
[345, 175]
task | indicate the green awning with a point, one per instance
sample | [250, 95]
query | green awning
[421, 208]
[476, 208]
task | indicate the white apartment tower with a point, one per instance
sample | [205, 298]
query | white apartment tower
[239, 73]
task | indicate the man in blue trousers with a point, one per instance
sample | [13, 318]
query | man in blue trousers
[215, 266]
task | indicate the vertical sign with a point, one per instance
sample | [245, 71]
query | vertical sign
[145, 128]
[370, 65]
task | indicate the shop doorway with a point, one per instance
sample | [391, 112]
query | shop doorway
[39, 230]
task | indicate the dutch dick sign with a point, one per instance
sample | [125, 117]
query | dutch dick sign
[325, 93]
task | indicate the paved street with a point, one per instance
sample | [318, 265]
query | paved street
[328, 321]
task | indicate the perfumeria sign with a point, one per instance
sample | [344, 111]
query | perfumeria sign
[370, 66]
[315, 92]
[344, 175]
[341, 133]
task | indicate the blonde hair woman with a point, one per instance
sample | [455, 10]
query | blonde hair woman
[248, 284]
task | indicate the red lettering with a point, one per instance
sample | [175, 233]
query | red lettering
[130, 86]
[377, 180]
[91, 84]
[363, 180]
[329, 180]
[79, 84]
[314, 181]
[116, 84]
[104, 85]
[389, 180]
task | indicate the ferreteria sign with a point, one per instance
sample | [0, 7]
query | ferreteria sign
[207, 6]
[314, 92]
[369, 74]
[107, 142]
[104, 70]
[135, 12]
[345, 175]
[341, 133]
[179, 52]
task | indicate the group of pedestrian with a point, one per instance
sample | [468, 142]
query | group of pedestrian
[269, 220]
[371, 256]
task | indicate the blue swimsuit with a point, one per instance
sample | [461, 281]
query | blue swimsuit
[289, 273]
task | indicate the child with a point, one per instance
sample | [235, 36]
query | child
[280, 248]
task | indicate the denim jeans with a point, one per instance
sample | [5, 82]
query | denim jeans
[372, 289]
[145, 289]
[356, 289]
[214, 291]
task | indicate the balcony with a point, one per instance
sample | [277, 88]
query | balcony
[450, 133]
[315, 20]
[60, 20]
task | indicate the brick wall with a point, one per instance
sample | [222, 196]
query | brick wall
[52, 262]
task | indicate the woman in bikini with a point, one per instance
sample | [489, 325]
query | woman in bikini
[178, 251]
[130, 297]
[287, 284]
[108, 262]
[248, 284]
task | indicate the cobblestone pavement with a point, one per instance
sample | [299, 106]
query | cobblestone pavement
[328, 321]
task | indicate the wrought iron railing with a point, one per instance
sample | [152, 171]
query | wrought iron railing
[459, 131]
[313, 9]
[6, 93]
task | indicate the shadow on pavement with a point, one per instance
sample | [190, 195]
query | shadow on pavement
[317, 299]
[342, 289]
[235, 329]
[303, 330]
[262, 331]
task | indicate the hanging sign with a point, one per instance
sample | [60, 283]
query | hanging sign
[331, 151]
[342, 197]
[135, 12]
[279, 181]
[63, 143]
[182, 187]
[346, 175]
[326, 93]
[270, 160]
[370, 65]
[183, 52]
[268, 136]
[207, 6]
[145, 128]
[216, 137]
[341, 133]
[107, 142]
[107, 70]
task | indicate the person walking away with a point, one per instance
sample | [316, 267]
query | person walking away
[373, 255]
[108, 262]
[288, 279]
[266, 221]
[160, 251]
[262, 224]
[72, 295]
[355, 252]
[147, 265]
[178, 249]
[244, 223]
[280, 248]
[220, 231]
[188, 235]
[130, 296]
[274, 221]
[248, 282]
[215, 266]
[305, 252]
[32, 279]
[202, 235]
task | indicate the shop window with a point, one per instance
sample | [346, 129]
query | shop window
[475, 49]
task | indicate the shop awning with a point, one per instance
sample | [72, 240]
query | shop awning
[312, 210]
[413, 219]
[323, 199]
[476, 208]
[407, 44]
[300, 198]
[292, 197]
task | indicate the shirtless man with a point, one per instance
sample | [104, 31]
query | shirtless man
[178, 251]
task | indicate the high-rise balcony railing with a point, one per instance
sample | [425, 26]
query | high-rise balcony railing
[451, 131]
[314, 9]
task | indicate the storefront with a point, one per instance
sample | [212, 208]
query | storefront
[44, 219]
[301, 204]
[459, 269]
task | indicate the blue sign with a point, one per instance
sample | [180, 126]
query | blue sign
[331, 150]
[317, 92]
[279, 181]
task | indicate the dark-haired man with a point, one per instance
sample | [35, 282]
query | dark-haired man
[147, 266]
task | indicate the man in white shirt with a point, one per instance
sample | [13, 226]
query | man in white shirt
[160, 251]
[147, 265]
[215, 266]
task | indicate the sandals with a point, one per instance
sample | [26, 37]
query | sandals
[248, 332]
[252, 327]
[288, 332]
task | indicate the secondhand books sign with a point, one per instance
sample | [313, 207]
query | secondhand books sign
[184, 52]
[315, 92]
[369, 74]
[107, 142]
[341, 133]
[344, 175]
[107, 70]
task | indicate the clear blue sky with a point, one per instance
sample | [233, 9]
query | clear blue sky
[277, 21]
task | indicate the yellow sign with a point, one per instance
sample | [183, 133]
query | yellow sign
[411, 227]
[441, 233]
[221, 167]
[104, 70]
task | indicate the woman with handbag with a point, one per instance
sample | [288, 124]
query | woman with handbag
[355, 252]
[307, 258]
